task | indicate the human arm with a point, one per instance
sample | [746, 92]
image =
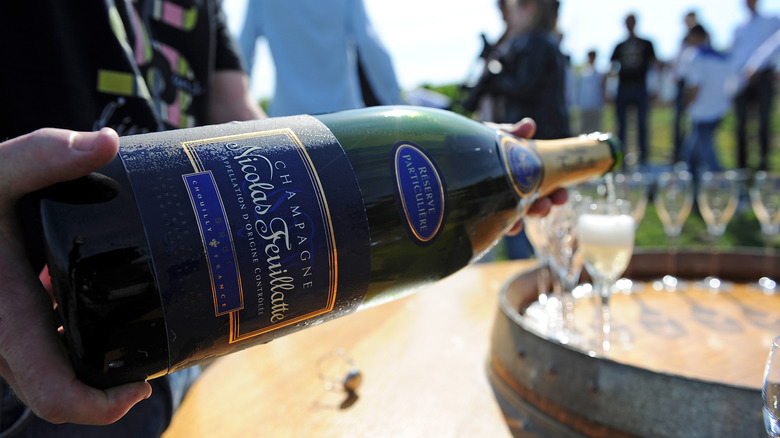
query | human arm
[690, 92]
[229, 91]
[691, 71]
[32, 358]
[230, 98]
[373, 55]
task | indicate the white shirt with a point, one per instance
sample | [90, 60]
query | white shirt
[314, 46]
[590, 89]
[709, 71]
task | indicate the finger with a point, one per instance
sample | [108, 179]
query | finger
[35, 364]
[48, 156]
[525, 128]
[516, 228]
[559, 196]
[541, 207]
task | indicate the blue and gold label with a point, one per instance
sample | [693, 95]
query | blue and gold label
[421, 192]
[523, 164]
[254, 230]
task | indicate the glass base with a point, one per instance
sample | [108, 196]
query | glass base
[670, 283]
[714, 284]
[766, 285]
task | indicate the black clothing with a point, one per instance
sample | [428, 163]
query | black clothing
[635, 56]
[531, 83]
[96, 63]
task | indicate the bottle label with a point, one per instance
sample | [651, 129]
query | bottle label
[421, 192]
[523, 165]
[251, 232]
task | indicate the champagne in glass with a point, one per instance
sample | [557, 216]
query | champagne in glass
[771, 392]
[635, 188]
[717, 200]
[673, 202]
[606, 238]
[765, 199]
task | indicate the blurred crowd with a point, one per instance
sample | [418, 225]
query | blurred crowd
[702, 84]
[524, 73]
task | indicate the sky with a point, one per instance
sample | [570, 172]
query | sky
[437, 41]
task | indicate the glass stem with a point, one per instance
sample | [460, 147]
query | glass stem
[567, 311]
[769, 250]
[767, 282]
[555, 313]
[543, 279]
[671, 268]
[715, 253]
[606, 327]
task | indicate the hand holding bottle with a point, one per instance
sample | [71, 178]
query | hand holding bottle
[32, 358]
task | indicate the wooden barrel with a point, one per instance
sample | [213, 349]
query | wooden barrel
[681, 364]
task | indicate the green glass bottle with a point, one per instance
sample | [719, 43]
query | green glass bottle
[198, 242]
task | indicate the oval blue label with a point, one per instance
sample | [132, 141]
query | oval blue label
[421, 192]
[523, 165]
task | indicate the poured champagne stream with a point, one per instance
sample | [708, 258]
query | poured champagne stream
[199, 242]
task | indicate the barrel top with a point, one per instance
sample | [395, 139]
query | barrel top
[694, 333]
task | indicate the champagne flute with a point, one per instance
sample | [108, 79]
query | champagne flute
[565, 258]
[635, 188]
[771, 391]
[673, 202]
[536, 229]
[606, 233]
[718, 196]
[765, 199]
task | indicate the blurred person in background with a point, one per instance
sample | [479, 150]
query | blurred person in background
[678, 130]
[705, 74]
[526, 73]
[758, 91]
[525, 76]
[589, 95]
[632, 59]
[321, 51]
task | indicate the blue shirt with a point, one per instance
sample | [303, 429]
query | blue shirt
[314, 45]
[749, 36]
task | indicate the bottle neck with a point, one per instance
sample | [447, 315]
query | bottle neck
[541, 166]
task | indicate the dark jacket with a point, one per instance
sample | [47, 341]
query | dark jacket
[531, 83]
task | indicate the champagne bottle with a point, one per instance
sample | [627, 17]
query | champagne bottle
[198, 242]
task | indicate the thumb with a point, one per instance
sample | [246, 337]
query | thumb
[48, 156]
